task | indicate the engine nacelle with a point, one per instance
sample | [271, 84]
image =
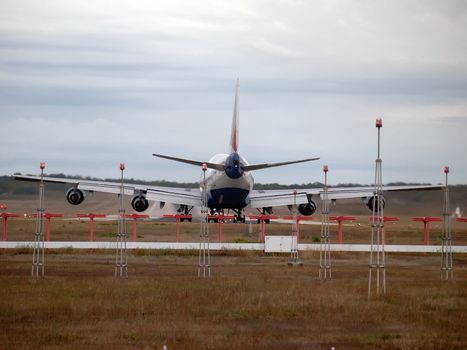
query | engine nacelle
[371, 201]
[139, 203]
[307, 209]
[75, 196]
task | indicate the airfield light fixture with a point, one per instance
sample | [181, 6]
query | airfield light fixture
[325, 168]
[42, 165]
[205, 167]
[122, 166]
[379, 123]
[446, 170]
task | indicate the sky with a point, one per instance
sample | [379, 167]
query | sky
[85, 85]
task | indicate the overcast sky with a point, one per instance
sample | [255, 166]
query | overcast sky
[85, 85]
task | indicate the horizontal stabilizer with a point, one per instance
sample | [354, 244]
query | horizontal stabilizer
[272, 165]
[215, 166]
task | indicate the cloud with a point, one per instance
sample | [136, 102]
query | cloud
[92, 83]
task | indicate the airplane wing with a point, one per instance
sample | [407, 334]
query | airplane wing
[175, 195]
[272, 198]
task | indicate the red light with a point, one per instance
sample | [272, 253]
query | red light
[205, 167]
[325, 168]
[446, 170]
[295, 192]
[122, 166]
[42, 166]
[3, 207]
[379, 122]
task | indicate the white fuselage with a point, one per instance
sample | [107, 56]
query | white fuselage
[226, 192]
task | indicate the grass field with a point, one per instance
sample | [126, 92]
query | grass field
[252, 301]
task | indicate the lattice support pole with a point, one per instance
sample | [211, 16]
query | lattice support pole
[377, 266]
[446, 249]
[204, 257]
[38, 254]
[294, 258]
[325, 271]
[121, 253]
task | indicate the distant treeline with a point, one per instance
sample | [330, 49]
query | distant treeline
[9, 186]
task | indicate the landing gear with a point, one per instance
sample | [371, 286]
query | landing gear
[265, 211]
[239, 216]
[213, 212]
[185, 210]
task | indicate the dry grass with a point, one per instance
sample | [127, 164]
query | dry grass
[251, 302]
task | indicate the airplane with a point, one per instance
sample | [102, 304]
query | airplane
[229, 186]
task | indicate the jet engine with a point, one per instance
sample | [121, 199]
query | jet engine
[75, 196]
[307, 209]
[139, 202]
[370, 202]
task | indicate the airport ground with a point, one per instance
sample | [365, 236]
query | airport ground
[252, 301]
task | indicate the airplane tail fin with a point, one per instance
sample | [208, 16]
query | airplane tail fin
[234, 131]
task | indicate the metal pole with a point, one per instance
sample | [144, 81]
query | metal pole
[47, 228]
[91, 228]
[377, 253]
[134, 229]
[38, 257]
[426, 239]
[339, 231]
[4, 217]
[294, 259]
[121, 255]
[325, 242]
[177, 228]
[446, 249]
[263, 222]
[219, 221]
[204, 258]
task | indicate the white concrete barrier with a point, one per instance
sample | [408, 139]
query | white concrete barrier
[390, 248]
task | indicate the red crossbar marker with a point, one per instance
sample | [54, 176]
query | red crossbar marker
[298, 219]
[220, 220]
[262, 219]
[340, 220]
[135, 217]
[426, 226]
[177, 218]
[48, 217]
[91, 217]
[461, 219]
[5, 216]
